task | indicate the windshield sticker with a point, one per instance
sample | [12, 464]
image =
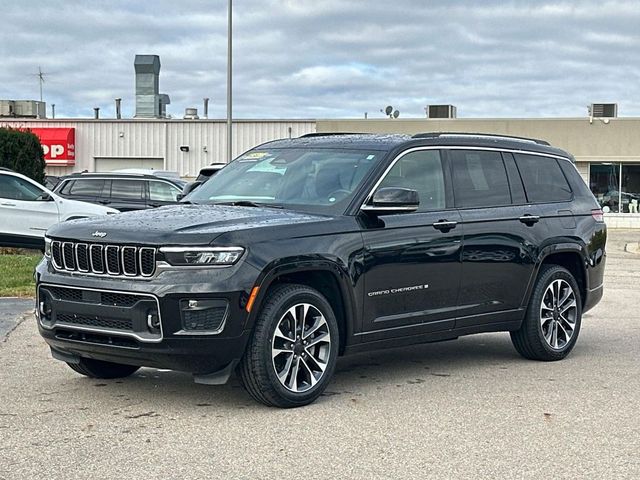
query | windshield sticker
[255, 155]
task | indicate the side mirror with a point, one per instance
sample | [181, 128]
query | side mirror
[188, 188]
[389, 200]
[45, 197]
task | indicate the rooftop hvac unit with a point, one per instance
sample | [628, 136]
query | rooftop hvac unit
[7, 108]
[191, 114]
[603, 110]
[441, 111]
[30, 109]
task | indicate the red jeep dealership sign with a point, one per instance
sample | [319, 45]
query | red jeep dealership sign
[59, 145]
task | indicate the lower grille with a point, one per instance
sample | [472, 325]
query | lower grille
[204, 320]
[100, 312]
[97, 321]
[101, 339]
[90, 296]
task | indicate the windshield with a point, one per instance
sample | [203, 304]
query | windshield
[319, 180]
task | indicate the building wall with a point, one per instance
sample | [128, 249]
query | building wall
[162, 139]
[616, 141]
[607, 154]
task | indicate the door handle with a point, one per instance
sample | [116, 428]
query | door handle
[8, 204]
[444, 225]
[104, 202]
[530, 219]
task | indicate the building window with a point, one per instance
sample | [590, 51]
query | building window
[616, 186]
[630, 188]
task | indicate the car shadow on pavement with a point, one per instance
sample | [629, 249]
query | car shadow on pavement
[481, 355]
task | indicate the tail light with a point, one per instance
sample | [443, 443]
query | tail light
[597, 215]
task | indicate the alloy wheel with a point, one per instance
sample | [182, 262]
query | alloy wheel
[301, 347]
[558, 313]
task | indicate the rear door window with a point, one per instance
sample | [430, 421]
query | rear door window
[85, 188]
[479, 179]
[543, 179]
[132, 190]
[163, 192]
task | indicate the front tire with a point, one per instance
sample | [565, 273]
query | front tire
[554, 315]
[98, 369]
[294, 348]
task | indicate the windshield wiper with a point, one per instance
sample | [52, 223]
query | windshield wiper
[249, 203]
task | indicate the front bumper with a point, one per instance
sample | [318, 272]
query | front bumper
[182, 319]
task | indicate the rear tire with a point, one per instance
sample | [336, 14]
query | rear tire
[554, 315]
[293, 351]
[98, 369]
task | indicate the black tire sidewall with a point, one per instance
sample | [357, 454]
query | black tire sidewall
[302, 295]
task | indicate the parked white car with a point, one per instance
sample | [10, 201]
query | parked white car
[27, 210]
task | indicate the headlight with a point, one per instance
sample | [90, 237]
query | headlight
[193, 256]
[47, 247]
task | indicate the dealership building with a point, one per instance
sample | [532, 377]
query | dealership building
[607, 150]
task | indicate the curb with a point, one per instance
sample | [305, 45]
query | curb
[633, 247]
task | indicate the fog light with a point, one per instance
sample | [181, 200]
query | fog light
[205, 315]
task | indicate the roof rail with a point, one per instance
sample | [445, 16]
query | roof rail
[481, 135]
[329, 134]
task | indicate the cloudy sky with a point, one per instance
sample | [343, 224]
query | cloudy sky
[329, 58]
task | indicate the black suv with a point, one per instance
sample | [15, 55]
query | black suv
[122, 191]
[305, 249]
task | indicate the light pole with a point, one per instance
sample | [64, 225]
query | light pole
[229, 84]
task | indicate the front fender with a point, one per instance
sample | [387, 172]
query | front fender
[309, 264]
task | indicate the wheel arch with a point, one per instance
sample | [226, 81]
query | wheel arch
[325, 276]
[571, 256]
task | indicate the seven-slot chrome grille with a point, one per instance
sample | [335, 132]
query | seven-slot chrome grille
[99, 259]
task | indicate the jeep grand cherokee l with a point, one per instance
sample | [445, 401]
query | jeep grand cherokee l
[305, 249]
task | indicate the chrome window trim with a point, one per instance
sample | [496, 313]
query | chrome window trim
[449, 147]
[100, 330]
[372, 208]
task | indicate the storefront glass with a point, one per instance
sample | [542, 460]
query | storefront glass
[616, 186]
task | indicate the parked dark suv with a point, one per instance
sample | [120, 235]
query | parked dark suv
[305, 249]
[122, 191]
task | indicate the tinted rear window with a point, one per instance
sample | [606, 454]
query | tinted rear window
[90, 188]
[127, 189]
[479, 179]
[543, 179]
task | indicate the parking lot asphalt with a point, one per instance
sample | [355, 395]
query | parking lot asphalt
[11, 310]
[470, 408]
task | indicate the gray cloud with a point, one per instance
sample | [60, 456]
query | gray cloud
[331, 58]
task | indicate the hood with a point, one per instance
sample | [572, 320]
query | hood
[176, 224]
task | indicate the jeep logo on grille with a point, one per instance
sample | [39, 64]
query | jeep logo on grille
[98, 233]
